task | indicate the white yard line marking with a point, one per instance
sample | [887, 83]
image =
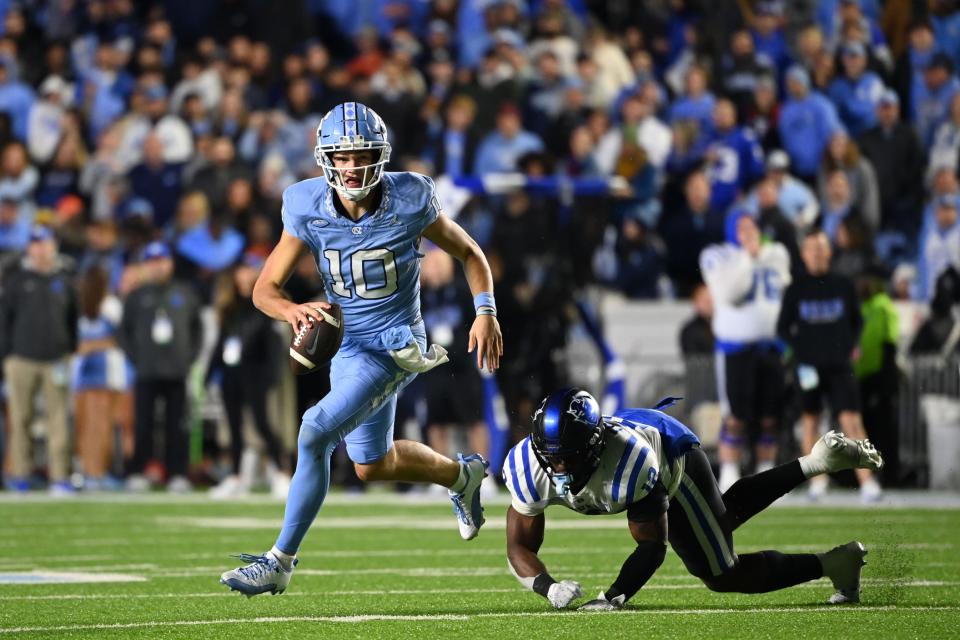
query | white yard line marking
[464, 617]
[817, 584]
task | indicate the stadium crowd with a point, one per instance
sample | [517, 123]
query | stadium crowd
[144, 148]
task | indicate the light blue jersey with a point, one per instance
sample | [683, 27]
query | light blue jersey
[371, 266]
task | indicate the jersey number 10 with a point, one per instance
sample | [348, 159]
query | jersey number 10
[379, 259]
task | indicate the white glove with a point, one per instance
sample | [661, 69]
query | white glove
[561, 594]
[602, 604]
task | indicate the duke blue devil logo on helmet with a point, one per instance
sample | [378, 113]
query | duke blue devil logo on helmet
[567, 433]
[352, 126]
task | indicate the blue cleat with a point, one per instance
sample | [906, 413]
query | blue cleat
[262, 574]
[466, 505]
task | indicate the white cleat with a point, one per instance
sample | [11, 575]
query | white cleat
[263, 574]
[229, 487]
[843, 565]
[466, 504]
[836, 452]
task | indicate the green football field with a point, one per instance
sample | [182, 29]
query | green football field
[388, 566]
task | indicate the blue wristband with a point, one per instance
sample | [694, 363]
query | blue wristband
[484, 304]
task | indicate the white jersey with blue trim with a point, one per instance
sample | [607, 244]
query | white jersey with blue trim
[370, 266]
[746, 291]
[632, 461]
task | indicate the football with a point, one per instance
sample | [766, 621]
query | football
[317, 342]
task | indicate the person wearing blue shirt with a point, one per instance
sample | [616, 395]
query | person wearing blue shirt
[363, 227]
[695, 107]
[769, 40]
[500, 150]
[857, 92]
[734, 156]
[931, 101]
[16, 98]
[807, 121]
[14, 229]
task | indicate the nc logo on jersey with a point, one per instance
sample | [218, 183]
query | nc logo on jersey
[584, 411]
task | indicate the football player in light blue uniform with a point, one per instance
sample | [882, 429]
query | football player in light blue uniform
[363, 226]
[649, 465]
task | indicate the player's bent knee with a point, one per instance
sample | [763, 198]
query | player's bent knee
[315, 441]
[730, 581]
[366, 472]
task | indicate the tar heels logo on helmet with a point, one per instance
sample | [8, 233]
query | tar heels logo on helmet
[352, 127]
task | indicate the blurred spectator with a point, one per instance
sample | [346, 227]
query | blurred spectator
[102, 381]
[150, 114]
[61, 176]
[941, 249]
[688, 231]
[939, 335]
[794, 198]
[746, 278]
[453, 150]
[734, 159]
[894, 150]
[768, 35]
[103, 87]
[691, 118]
[852, 250]
[857, 91]
[16, 97]
[820, 320]
[762, 113]
[214, 179]
[742, 68]
[157, 181]
[842, 154]
[453, 394]
[946, 139]
[876, 368]
[908, 73]
[161, 334]
[499, 151]
[636, 264]
[38, 331]
[774, 225]
[639, 127]
[45, 122]
[932, 97]
[18, 178]
[14, 229]
[696, 336]
[807, 122]
[244, 360]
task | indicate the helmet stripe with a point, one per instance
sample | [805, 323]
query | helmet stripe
[551, 420]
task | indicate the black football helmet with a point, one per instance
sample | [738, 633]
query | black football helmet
[567, 437]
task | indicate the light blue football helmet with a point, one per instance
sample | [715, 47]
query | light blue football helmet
[352, 126]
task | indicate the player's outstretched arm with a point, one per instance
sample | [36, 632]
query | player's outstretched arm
[268, 294]
[485, 336]
[648, 526]
[524, 537]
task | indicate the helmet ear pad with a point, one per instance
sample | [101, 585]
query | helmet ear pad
[568, 430]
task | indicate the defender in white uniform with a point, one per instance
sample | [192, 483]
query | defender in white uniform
[746, 278]
[650, 465]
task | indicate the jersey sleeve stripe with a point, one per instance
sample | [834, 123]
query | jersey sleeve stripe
[528, 476]
[635, 474]
[618, 476]
[515, 480]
